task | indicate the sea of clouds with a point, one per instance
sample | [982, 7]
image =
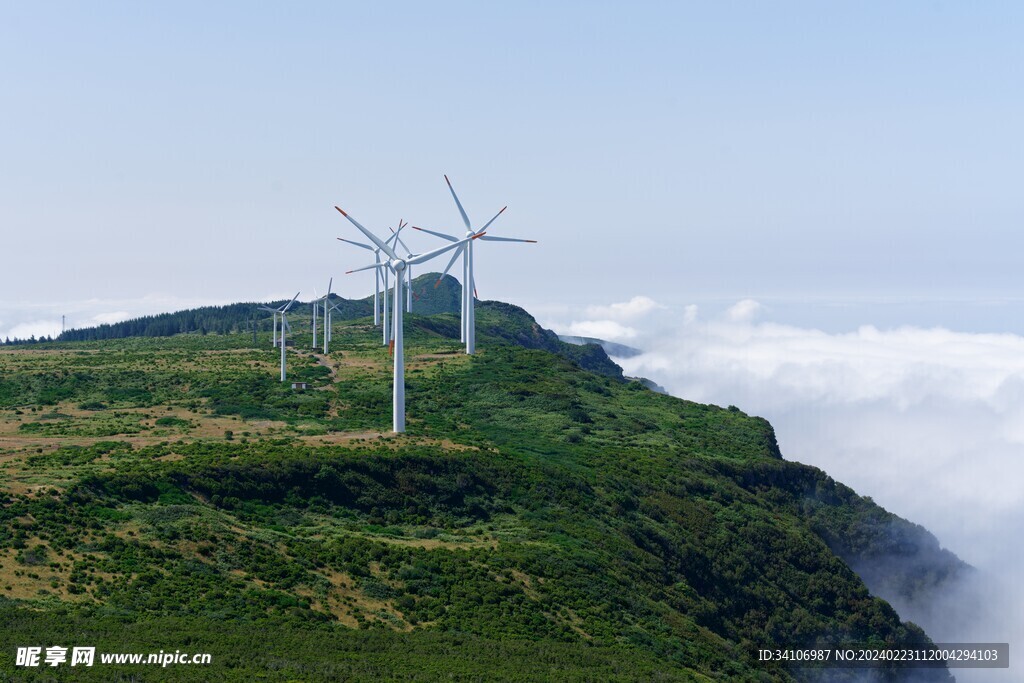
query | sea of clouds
[929, 422]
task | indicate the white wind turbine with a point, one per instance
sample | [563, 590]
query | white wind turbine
[314, 305]
[327, 318]
[377, 291]
[273, 339]
[468, 282]
[330, 328]
[398, 266]
[285, 327]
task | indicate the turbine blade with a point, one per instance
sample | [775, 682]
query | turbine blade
[426, 256]
[493, 219]
[465, 218]
[506, 239]
[373, 238]
[437, 234]
[356, 270]
[289, 304]
[450, 264]
[358, 244]
[329, 283]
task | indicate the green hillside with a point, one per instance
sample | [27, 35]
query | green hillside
[543, 519]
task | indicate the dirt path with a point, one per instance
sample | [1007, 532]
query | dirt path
[323, 360]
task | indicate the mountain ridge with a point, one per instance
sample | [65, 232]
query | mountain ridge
[532, 499]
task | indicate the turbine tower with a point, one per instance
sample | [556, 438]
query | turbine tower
[468, 283]
[398, 266]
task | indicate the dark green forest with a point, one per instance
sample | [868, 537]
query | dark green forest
[428, 299]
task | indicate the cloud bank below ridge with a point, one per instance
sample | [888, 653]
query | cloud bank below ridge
[927, 421]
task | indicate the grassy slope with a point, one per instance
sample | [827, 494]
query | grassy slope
[538, 522]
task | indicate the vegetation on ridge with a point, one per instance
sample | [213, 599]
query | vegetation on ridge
[539, 521]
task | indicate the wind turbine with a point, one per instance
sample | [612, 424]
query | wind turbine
[334, 307]
[273, 340]
[376, 290]
[468, 282]
[316, 307]
[378, 277]
[327, 314]
[285, 327]
[398, 265]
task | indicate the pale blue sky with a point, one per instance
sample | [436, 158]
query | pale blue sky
[690, 152]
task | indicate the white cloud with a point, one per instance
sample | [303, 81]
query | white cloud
[743, 311]
[927, 421]
[603, 322]
[34, 328]
[637, 307]
[608, 330]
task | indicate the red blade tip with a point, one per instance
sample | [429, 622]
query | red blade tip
[341, 211]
